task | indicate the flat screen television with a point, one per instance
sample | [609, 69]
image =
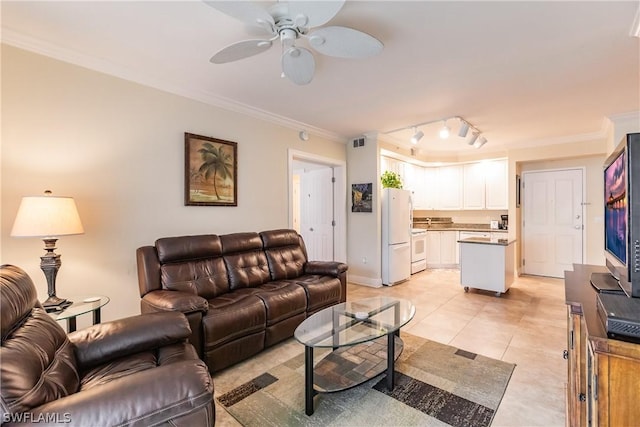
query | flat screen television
[622, 214]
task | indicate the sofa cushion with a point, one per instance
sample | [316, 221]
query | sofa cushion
[137, 362]
[245, 260]
[284, 253]
[185, 248]
[282, 300]
[232, 316]
[206, 278]
[38, 361]
[322, 291]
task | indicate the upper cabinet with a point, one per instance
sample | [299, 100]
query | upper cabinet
[485, 185]
[449, 187]
[470, 186]
[474, 186]
[414, 181]
[496, 184]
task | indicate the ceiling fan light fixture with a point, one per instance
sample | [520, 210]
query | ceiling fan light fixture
[445, 131]
[417, 136]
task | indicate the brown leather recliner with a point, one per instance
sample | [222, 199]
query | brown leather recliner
[242, 292]
[137, 371]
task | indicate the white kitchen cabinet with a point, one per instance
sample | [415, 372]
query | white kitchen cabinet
[474, 186]
[449, 187]
[442, 248]
[496, 184]
[430, 188]
[485, 185]
[392, 165]
[414, 182]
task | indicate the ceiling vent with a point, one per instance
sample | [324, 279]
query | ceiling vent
[358, 142]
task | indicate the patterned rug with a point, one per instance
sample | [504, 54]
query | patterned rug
[435, 385]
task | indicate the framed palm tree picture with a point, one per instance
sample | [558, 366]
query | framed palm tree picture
[211, 171]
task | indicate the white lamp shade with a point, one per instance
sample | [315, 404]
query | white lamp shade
[47, 216]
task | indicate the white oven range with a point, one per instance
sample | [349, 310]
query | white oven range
[418, 250]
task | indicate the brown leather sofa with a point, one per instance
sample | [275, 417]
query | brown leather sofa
[137, 371]
[241, 292]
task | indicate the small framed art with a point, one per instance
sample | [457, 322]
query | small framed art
[211, 171]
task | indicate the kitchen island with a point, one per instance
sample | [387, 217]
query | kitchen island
[487, 263]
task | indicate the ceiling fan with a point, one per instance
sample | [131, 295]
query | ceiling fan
[289, 21]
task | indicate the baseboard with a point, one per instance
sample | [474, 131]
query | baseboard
[365, 281]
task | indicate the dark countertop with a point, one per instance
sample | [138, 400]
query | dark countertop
[459, 227]
[487, 241]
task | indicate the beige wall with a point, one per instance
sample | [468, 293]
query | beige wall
[118, 148]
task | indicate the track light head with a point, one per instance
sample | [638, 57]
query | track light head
[464, 128]
[479, 143]
[473, 137]
[417, 137]
[445, 131]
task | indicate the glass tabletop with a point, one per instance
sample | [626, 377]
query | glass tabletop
[354, 322]
[81, 305]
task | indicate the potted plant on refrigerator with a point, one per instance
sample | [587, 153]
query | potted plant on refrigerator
[391, 180]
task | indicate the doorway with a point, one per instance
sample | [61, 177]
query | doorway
[553, 221]
[317, 203]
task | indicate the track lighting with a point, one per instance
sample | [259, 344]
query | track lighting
[417, 136]
[479, 143]
[445, 131]
[473, 137]
[464, 128]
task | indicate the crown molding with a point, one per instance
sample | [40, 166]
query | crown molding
[41, 47]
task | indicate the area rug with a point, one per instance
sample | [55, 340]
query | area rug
[436, 385]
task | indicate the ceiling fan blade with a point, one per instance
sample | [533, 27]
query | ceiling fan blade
[240, 50]
[298, 65]
[245, 11]
[316, 12]
[344, 42]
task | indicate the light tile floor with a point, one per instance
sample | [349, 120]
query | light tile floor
[525, 326]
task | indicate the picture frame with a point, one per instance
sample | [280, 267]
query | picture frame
[362, 197]
[211, 171]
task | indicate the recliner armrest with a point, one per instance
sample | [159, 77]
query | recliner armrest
[107, 341]
[154, 396]
[330, 268]
[175, 301]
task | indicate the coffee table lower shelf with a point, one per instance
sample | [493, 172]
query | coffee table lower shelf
[350, 366]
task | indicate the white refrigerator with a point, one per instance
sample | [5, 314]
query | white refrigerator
[396, 235]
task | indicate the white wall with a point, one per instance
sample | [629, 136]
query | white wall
[118, 148]
[364, 229]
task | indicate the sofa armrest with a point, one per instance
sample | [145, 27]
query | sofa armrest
[150, 397]
[107, 341]
[329, 268]
[175, 301]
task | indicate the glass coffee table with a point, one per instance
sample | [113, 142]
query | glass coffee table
[355, 330]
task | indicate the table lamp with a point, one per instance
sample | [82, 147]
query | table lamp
[48, 217]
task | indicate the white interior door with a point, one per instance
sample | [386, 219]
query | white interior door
[553, 221]
[317, 213]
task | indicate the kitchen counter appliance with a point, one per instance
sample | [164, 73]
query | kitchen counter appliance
[418, 250]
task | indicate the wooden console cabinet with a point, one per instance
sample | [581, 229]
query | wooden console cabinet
[603, 386]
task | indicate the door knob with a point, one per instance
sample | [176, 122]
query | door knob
[577, 227]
